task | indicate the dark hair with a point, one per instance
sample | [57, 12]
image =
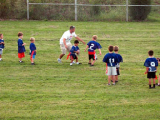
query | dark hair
[111, 48]
[76, 41]
[20, 34]
[150, 53]
[1, 35]
[72, 27]
[116, 48]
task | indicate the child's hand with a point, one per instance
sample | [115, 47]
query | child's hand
[2, 43]
[24, 44]
[146, 72]
[100, 53]
[35, 50]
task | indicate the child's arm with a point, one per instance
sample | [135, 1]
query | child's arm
[23, 44]
[100, 51]
[86, 48]
[146, 70]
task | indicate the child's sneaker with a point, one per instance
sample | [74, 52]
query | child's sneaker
[0, 59]
[108, 84]
[21, 61]
[71, 64]
[79, 63]
[59, 60]
[32, 63]
[157, 84]
[89, 63]
[92, 65]
[113, 83]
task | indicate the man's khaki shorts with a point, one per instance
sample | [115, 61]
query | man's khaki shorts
[64, 50]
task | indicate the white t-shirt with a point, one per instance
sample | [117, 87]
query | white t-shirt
[68, 36]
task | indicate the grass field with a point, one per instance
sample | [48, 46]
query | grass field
[51, 91]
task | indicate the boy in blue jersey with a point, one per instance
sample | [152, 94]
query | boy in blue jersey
[1, 46]
[74, 52]
[151, 64]
[32, 50]
[111, 60]
[21, 47]
[93, 45]
[120, 59]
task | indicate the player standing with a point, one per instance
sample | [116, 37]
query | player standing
[93, 45]
[65, 41]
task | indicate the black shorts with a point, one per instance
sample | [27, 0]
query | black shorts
[92, 57]
[151, 75]
[72, 57]
[117, 69]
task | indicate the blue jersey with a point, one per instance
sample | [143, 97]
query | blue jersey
[111, 59]
[120, 59]
[73, 49]
[1, 45]
[32, 49]
[93, 45]
[151, 63]
[21, 49]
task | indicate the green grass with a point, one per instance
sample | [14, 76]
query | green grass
[57, 91]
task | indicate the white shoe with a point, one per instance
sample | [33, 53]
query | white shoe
[59, 60]
[0, 59]
[73, 62]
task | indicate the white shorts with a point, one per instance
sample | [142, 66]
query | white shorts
[1, 51]
[63, 48]
[111, 71]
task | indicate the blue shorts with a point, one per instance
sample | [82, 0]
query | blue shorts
[34, 56]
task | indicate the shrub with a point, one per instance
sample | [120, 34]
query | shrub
[140, 13]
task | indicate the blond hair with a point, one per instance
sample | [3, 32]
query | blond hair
[116, 48]
[32, 39]
[95, 37]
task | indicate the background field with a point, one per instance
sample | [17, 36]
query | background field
[58, 91]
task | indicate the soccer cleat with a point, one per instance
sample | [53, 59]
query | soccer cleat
[59, 60]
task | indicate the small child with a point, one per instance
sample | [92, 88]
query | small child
[151, 64]
[1, 46]
[111, 60]
[120, 59]
[21, 47]
[93, 45]
[74, 52]
[32, 50]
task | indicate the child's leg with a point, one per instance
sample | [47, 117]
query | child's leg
[77, 60]
[149, 82]
[0, 56]
[113, 78]
[93, 62]
[116, 78]
[159, 80]
[20, 59]
[154, 83]
[32, 60]
[109, 79]
[90, 61]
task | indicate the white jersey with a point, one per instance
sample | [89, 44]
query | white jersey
[68, 36]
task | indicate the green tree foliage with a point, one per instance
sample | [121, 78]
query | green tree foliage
[140, 13]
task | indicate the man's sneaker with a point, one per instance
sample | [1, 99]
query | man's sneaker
[59, 60]
[32, 63]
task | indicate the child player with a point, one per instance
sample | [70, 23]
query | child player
[120, 59]
[21, 47]
[74, 52]
[111, 60]
[93, 45]
[32, 50]
[151, 64]
[1, 46]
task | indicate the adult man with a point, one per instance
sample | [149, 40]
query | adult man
[65, 41]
